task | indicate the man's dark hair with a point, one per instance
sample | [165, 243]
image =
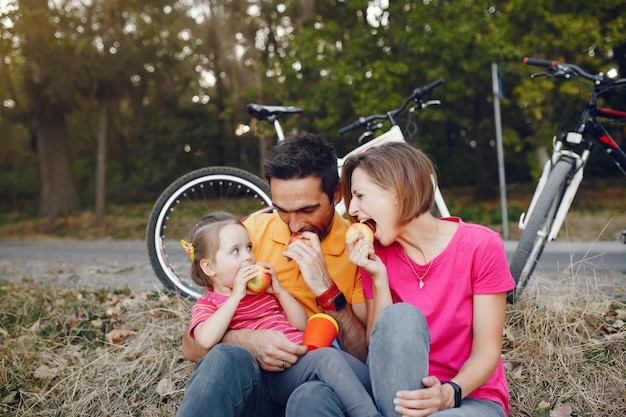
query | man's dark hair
[303, 155]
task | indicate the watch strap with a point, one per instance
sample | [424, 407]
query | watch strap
[332, 299]
[458, 393]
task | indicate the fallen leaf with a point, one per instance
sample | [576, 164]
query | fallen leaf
[164, 387]
[117, 336]
[561, 410]
[542, 405]
[43, 372]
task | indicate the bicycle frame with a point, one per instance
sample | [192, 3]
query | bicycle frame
[394, 134]
[588, 125]
[570, 191]
[563, 173]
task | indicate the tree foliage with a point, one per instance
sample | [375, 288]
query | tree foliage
[165, 84]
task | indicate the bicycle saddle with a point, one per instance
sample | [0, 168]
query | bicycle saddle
[263, 112]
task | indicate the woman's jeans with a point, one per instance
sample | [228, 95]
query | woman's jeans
[398, 360]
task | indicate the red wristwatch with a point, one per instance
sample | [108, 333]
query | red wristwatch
[332, 299]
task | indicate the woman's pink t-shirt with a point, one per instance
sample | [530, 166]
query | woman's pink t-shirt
[473, 263]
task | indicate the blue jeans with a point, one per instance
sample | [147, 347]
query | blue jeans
[398, 360]
[343, 373]
[229, 382]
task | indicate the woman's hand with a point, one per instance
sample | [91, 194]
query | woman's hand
[426, 401]
[362, 254]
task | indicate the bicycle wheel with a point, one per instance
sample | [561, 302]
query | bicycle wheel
[535, 235]
[186, 201]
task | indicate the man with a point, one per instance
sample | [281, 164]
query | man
[303, 178]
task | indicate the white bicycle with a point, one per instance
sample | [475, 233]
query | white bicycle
[563, 173]
[199, 192]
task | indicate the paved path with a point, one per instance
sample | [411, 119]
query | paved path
[97, 264]
[115, 264]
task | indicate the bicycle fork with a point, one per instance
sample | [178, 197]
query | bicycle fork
[577, 162]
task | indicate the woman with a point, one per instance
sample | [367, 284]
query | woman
[435, 292]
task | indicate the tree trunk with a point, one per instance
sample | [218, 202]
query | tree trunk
[101, 159]
[484, 188]
[57, 189]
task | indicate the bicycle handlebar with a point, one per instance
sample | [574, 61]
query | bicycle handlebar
[420, 92]
[565, 70]
[416, 96]
[354, 125]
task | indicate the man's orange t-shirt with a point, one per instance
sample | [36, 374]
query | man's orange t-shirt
[270, 238]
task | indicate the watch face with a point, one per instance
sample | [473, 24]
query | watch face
[340, 302]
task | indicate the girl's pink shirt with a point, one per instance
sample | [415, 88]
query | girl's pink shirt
[473, 263]
[261, 311]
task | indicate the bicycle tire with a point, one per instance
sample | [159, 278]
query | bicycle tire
[183, 203]
[535, 235]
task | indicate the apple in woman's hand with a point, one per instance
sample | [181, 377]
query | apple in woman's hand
[261, 282]
[360, 229]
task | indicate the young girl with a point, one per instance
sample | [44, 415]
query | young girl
[223, 262]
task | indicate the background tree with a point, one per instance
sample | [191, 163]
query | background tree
[162, 86]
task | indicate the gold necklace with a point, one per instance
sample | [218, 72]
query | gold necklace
[430, 264]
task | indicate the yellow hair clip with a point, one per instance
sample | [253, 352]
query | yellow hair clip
[188, 248]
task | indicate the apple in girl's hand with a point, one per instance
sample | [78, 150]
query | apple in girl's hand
[261, 282]
[360, 229]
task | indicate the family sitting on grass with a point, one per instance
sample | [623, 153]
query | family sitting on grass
[420, 311]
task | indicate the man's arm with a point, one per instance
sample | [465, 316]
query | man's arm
[351, 330]
[269, 347]
[191, 349]
[310, 259]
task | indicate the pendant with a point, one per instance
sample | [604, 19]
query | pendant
[421, 285]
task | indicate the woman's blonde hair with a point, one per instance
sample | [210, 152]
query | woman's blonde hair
[400, 168]
[205, 238]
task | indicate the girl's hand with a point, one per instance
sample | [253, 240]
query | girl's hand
[245, 274]
[275, 288]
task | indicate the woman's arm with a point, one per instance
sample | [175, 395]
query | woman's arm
[489, 317]
[362, 254]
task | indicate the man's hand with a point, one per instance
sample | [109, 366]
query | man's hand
[310, 258]
[270, 348]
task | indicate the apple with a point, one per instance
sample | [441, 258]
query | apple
[261, 282]
[360, 229]
[296, 236]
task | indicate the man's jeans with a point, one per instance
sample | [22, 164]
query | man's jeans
[228, 382]
[398, 360]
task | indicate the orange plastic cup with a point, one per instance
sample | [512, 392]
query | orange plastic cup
[321, 330]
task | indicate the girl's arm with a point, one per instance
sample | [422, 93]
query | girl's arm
[291, 307]
[211, 331]
[293, 310]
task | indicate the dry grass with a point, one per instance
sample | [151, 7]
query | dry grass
[79, 352]
[83, 352]
[565, 355]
